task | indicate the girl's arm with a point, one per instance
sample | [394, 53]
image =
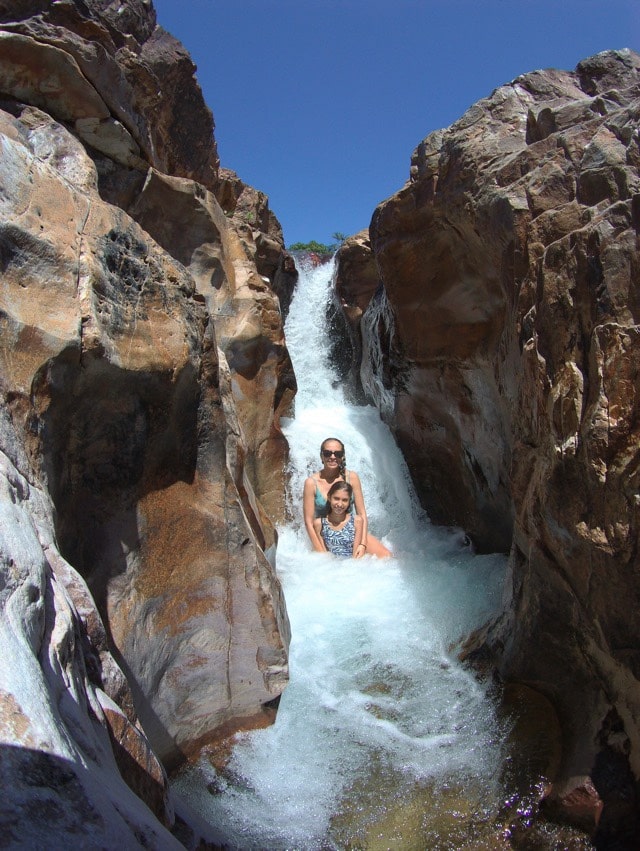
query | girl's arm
[308, 508]
[317, 528]
[358, 502]
[359, 546]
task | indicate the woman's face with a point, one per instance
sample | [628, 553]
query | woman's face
[332, 454]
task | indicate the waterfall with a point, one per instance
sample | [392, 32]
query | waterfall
[380, 731]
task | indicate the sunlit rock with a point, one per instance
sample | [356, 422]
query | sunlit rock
[111, 64]
[143, 371]
[357, 278]
[114, 382]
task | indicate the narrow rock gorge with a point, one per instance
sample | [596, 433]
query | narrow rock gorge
[491, 310]
[496, 300]
[143, 371]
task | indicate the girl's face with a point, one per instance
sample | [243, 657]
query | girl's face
[339, 502]
[332, 454]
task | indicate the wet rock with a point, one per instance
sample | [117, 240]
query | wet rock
[59, 776]
[576, 802]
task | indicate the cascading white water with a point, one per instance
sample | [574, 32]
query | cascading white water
[377, 714]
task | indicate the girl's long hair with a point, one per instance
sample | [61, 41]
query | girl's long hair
[342, 465]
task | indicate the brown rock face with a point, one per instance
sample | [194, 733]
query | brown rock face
[113, 74]
[143, 371]
[510, 264]
[74, 761]
[357, 278]
[356, 283]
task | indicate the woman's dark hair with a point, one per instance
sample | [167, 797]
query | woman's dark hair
[342, 463]
[339, 486]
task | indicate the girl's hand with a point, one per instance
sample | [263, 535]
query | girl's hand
[360, 551]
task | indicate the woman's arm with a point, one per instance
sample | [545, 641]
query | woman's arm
[359, 546]
[317, 528]
[373, 545]
[358, 502]
[308, 508]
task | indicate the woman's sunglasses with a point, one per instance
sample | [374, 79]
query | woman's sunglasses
[327, 453]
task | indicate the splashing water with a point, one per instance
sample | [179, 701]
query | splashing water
[381, 736]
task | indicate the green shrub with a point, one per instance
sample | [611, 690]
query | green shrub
[313, 247]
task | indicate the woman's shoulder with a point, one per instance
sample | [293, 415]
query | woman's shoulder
[351, 476]
[311, 479]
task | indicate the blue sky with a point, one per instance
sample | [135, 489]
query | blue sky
[320, 103]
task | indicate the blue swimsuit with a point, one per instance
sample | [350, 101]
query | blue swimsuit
[339, 541]
[320, 503]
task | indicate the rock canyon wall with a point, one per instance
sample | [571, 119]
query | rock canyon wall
[143, 371]
[508, 271]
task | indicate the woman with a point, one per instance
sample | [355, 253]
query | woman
[316, 489]
[340, 529]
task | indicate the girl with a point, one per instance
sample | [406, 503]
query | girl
[316, 489]
[340, 531]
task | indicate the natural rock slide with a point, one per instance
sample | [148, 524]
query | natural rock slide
[144, 371]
